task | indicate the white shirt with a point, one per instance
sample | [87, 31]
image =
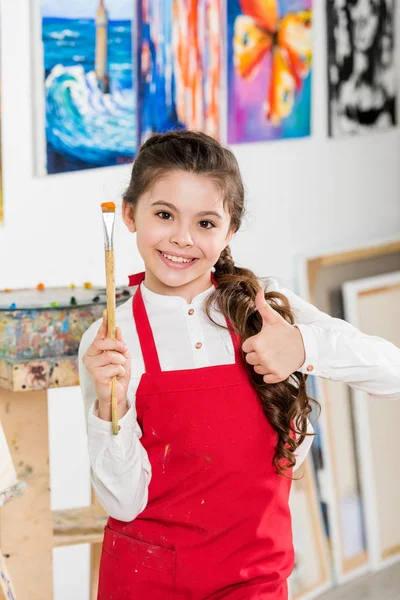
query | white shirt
[120, 469]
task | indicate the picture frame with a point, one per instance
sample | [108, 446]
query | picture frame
[311, 574]
[84, 85]
[372, 305]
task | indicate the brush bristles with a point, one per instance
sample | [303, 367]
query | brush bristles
[108, 207]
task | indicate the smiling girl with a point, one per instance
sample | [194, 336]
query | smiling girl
[211, 365]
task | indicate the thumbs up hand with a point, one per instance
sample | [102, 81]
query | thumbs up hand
[277, 350]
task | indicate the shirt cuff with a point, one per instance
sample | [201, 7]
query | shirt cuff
[311, 349]
[103, 428]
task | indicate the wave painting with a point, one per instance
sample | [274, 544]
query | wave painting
[89, 86]
[180, 65]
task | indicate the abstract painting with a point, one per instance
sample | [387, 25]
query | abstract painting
[269, 69]
[90, 102]
[179, 65]
[361, 67]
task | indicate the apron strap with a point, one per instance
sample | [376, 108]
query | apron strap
[145, 333]
[143, 327]
[136, 279]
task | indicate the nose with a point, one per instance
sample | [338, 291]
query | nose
[182, 237]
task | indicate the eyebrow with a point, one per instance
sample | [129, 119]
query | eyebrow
[203, 213]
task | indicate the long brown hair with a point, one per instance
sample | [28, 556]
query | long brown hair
[286, 404]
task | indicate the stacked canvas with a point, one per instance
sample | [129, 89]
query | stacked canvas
[357, 492]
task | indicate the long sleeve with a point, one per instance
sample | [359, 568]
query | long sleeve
[339, 351]
[120, 469]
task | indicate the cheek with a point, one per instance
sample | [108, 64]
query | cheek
[149, 235]
[213, 245]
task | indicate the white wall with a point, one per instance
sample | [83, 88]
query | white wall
[304, 196]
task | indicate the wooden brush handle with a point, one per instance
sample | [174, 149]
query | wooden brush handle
[110, 287]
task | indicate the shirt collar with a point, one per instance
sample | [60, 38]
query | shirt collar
[162, 300]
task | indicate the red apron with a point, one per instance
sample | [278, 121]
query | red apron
[217, 522]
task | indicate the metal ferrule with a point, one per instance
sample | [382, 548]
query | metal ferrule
[108, 225]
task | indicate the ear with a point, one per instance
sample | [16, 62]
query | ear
[229, 237]
[128, 216]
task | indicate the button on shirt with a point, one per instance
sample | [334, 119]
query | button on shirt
[187, 339]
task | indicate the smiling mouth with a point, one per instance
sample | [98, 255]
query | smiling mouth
[177, 259]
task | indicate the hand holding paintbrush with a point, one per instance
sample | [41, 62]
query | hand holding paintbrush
[108, 330]
[107, 358]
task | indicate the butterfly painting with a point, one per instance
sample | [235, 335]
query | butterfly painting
[269, 69]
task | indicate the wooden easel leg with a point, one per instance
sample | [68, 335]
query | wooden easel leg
[26, 528]
[95, 555]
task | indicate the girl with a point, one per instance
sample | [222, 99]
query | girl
[213, 409]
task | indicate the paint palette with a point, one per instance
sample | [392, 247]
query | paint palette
[40, 332]
[60, 297]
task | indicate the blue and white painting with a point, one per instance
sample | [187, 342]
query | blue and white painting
[90, 95]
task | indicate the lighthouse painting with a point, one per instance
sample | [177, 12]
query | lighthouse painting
[101, 60]
[89, 86]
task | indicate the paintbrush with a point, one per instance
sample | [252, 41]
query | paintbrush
[108, 210]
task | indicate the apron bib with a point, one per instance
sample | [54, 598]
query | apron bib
[217, 523]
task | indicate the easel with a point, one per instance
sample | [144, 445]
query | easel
[46, 324]
[10, 489]
[29, 530]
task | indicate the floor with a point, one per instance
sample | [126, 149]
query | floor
[384, 585]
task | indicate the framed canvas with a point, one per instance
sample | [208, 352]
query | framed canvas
[372, 304]
[311, 574]
[180, 45]
[361, 66]
[85, 84]
[269, 52]
[321, 280]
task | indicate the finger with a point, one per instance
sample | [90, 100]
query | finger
[270, 378]
[100, 345]
[261, 370]
[107, 373]
[252, 358]
[268, 314]
[108, 358]
[102, 331]
[248, 345]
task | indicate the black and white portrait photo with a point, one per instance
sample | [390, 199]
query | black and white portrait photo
[361, 67]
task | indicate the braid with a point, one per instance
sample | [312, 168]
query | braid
[286, 404]
[225, 263]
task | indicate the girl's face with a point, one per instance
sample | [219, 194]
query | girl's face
[182, 228]
[365, 18]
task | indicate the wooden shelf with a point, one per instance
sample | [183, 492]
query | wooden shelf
[79, 526]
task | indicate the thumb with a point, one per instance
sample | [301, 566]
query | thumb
[268, 314]
[102, 331]
[118, 336]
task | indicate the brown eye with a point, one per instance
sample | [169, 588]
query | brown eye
[163, 213]
[206, 224]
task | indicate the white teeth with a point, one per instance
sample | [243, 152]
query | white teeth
[176, 258]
